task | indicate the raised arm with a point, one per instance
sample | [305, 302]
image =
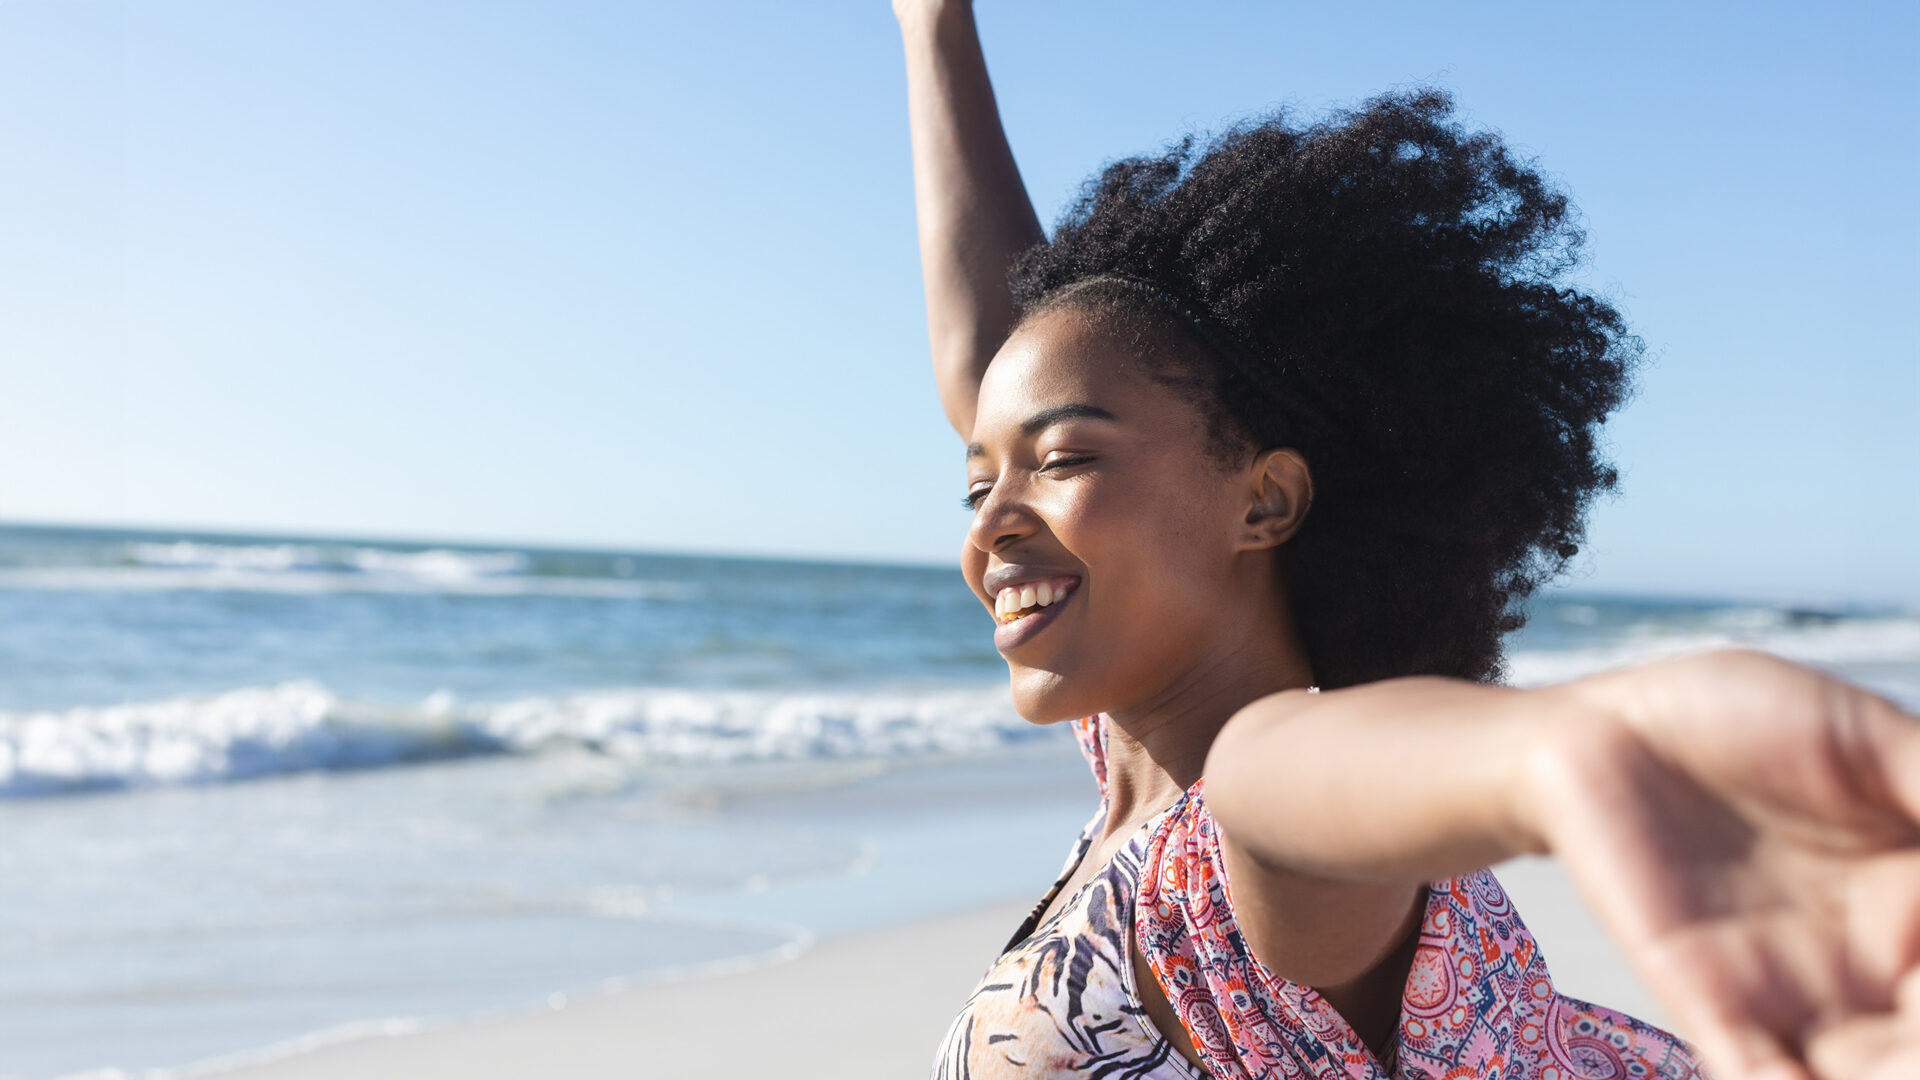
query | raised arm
[1747, 829]
[973, 211]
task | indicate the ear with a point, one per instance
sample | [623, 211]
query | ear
[1279, 487]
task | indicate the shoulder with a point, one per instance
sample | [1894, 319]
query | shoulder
[1478, 997]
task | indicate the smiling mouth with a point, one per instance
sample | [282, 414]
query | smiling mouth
[1016, 602]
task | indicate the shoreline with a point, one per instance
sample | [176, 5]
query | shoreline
[849, 1007]
[873, 1003]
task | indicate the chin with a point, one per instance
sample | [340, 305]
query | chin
[1048, 697]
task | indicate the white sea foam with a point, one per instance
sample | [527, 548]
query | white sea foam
[303, 726]
[156, 579]
[1891, 641]
[186, 565]
[438, 563]
[184, 554]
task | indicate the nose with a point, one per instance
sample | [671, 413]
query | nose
[1002, 520]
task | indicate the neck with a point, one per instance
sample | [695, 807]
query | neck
[1157, 749]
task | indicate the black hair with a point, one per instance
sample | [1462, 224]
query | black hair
[1388, 293]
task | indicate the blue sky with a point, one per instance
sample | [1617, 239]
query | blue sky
[644, 275]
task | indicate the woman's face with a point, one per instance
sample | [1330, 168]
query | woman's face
[1093, 487]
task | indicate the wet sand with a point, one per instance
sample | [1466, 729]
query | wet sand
[866, 1005]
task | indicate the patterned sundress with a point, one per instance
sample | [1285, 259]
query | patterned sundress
[1060, 1000]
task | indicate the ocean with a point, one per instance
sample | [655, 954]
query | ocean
[260, 792]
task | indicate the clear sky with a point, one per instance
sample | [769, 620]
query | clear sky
[643, 275]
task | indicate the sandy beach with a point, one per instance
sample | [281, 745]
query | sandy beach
[865, 1005]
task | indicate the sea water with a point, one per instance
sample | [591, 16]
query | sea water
[261, 792]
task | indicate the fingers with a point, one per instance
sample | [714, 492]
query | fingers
[1882, 927]
[1878, 1046]
[1751, 1054]
[1884, 1046]
[1732, 1002]
[1788, 1000]
[1881, 1048]
[1735, 1048]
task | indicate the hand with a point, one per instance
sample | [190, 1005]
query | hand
[1749, 830]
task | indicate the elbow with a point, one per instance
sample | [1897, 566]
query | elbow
[963, 352]
[958, 366]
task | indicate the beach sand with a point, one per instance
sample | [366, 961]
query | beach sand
[866, 1005]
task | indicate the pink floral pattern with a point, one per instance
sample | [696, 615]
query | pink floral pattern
[1478, 1003]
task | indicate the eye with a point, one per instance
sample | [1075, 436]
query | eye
[971, 500]
[1066, 462]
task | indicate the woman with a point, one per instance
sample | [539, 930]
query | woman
[1311, 409]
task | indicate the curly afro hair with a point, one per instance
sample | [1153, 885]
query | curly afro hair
[1386, 292]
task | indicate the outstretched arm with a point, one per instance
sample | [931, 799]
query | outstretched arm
[1747, 829]
[973, 210]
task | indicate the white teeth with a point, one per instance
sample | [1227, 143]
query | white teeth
[1009, 602]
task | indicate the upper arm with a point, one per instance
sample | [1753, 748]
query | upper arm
[957, 371]
[971, 207]
[1345, 936]
[1315, 931]
[1335, 809]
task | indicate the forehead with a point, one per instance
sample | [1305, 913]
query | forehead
[1060, 358]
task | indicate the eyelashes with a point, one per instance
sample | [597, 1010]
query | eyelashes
[970, 502]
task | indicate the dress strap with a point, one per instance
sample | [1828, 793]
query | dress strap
[1091, 733]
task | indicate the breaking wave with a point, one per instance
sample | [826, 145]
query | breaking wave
[304, 726]
[438, 563]
[324, 568]
[1881, 651]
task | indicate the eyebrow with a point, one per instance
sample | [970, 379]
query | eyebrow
[1046, 418]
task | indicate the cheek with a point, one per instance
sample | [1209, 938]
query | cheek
[1159, 543]
[1157, 557]
[973, 565]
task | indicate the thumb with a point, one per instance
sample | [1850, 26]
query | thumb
[1880, 1047]
[1895, 735]
[1713, 1010]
